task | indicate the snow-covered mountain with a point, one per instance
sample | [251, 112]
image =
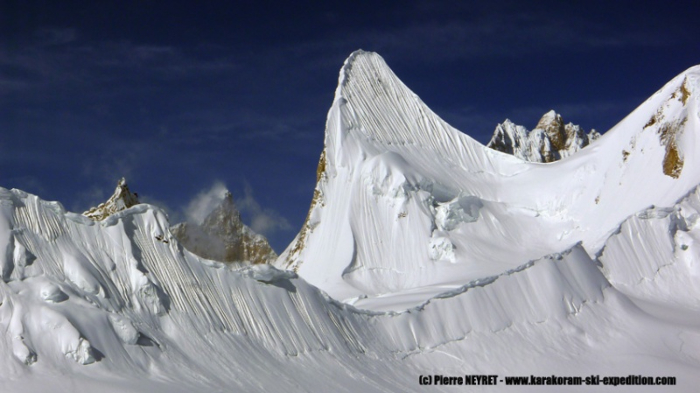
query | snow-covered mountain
[407, 207]
[423, 253]
[551, 139]
[222, 236]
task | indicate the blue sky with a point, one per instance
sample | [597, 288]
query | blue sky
[184, 98]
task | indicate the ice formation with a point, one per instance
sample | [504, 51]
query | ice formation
[423, 253]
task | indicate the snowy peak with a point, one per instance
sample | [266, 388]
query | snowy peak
[121, 199]
[369, 91]
[406, 206]
[553, 126]
[222, 236]
[550, 141]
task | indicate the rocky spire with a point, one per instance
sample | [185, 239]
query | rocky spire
[222, 236]
[550, 141]
[121, 199]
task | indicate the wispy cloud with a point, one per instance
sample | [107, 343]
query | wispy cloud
[55, 36]
[507, 34]
[58, 56]
[120, 158]
[204, 202]
[264, 221]
[246, 125]
[54, 54]
[89, 197]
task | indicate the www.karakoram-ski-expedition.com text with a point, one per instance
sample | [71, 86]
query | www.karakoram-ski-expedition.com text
[548, 380]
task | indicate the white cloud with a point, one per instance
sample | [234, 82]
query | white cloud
[263, 221]
[204, 202]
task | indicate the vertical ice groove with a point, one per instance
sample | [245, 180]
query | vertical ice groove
[39, 219]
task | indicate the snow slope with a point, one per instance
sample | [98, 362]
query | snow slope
[406, 204]
[119, 305]
[491, 265]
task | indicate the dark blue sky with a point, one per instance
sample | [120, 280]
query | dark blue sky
[179, 96]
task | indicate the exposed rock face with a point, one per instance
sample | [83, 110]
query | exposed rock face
[550, 141]
[222, 236]
[121, 199]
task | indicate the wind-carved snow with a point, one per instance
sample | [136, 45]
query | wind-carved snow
[558, 312]
[136, 308]
[455, 259]
[384, 221]
[656, 253]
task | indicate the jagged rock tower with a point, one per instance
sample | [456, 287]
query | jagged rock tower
[222, 236]
[550, 141]
[121, 199]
